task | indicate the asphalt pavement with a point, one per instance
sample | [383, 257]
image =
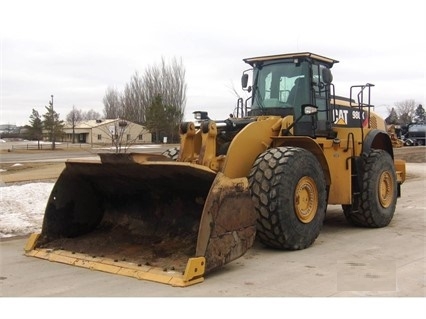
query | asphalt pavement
[62, 153]
[344, 261]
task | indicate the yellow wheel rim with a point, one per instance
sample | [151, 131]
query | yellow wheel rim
[386, 189]
[306, 199]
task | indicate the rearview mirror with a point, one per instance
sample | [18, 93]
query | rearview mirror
[244, 80]
[327, 77]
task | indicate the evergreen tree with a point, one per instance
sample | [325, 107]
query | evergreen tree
[392, 118]
[52, 124]
[420, 114]
[36, 127]
[156, 118]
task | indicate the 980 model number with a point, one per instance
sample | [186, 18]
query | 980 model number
[356, 115]
[348, 116]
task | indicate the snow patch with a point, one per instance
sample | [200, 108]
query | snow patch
[22, 208]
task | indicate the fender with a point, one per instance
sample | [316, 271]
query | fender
[377, 139]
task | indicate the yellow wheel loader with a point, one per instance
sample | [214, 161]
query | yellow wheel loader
[269, 171]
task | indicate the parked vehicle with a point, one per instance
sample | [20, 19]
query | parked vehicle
[415, 135]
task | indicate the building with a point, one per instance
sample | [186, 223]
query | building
[8, 129]
[107, 132]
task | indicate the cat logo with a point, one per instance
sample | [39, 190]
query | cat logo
[340, 121]
[340, 116]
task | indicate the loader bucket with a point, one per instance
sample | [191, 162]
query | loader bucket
[144, 216]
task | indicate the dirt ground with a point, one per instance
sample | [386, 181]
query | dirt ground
[21, 173]
[411, 154]
[25, 172]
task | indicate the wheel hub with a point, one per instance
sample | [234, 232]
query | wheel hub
[385, 189]
[306, 199]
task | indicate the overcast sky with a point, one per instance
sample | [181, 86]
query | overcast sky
[75, 50]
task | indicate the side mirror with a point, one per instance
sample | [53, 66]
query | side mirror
[327, 77]
[244, 80]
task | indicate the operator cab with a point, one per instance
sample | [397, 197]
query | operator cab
[283, 83]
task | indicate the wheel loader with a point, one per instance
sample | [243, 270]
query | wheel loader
[267, 173]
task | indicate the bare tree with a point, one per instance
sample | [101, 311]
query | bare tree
[239, 110]
[119, 134]
[91, 115]
[168, 82]
[406, 111]
[112, 104]
[132, 100]
[74, 118]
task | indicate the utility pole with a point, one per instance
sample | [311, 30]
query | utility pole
[54, 124]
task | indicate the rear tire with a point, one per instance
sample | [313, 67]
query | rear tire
[376, 204]
[288, 188]
[172, 153]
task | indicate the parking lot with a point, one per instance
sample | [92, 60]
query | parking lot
[345, 261]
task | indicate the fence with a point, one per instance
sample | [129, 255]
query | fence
[46, 146]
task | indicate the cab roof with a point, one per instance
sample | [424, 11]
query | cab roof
[313, 56]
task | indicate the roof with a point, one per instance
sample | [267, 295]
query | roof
[314, 56]
[91, 123]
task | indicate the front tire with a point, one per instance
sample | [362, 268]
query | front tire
[288, 188]
[376, 204]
